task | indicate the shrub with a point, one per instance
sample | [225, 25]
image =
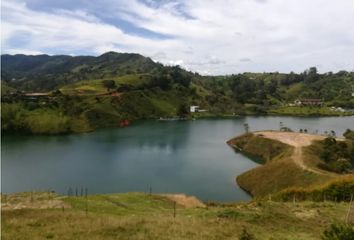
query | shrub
[245, 235]
[338, 232]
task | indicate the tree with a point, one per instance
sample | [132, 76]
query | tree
[247, 127]
[182, 110]
[272, 86]
[333, 133]
[109, 84]
[311, 75]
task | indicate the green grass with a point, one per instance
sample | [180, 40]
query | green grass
[6, 89]
[95, 86]
[141, 216]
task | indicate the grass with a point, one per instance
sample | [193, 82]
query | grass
[263, 148]
[339, 189]
[141, 216]
[95, 86]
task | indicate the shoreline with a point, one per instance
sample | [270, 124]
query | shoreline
[193, 118]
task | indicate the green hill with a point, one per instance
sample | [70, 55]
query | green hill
[143, 89]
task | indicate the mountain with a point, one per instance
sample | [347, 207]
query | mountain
[45, 73]
[92, 92]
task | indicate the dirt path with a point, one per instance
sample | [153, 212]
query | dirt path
[298, 141]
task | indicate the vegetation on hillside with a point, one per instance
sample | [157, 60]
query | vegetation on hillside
[336, 156]
[339, 189]
[262, 148]
[115, 86]
[279, 171]
[349, 134]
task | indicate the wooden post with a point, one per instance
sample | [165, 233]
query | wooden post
[349, 209]
[174, 209]
[294, 199]
[150, 190]
[31, 196]
[82, 191]
[86, 201]
[76, 191]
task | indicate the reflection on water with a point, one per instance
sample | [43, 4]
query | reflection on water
[180, 156]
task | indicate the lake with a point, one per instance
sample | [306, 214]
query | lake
[167, 156]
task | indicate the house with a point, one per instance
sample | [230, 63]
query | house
[337, 109]
[35, 96]
[308, 102]
[194, 109]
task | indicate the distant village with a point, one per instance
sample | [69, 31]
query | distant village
[314, 102]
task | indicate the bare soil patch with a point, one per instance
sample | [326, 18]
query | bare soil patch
[184, 200]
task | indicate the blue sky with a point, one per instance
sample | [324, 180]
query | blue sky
[207, 36]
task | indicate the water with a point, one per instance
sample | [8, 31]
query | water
[178, 157]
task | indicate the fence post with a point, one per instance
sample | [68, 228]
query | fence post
[349, 208]
[294, 199]
[86, 201]
[174, 209]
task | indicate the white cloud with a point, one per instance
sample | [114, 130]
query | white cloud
[206, 36]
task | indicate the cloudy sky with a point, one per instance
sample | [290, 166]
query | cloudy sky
[207, 36]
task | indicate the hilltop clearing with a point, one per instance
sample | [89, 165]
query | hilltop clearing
[297, 141]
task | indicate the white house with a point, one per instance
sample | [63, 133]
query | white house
[194, 109]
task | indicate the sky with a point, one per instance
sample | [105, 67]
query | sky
[211, 37]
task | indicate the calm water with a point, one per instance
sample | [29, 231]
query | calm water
[179, 157]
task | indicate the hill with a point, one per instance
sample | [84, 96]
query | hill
[45, 73]
[144, 216]
[84, 93]
[291, 160]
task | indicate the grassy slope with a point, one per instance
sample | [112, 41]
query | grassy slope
[141, 216]
[278, 173]
[93, 87]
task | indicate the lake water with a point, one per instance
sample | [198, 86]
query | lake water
[170, 157]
